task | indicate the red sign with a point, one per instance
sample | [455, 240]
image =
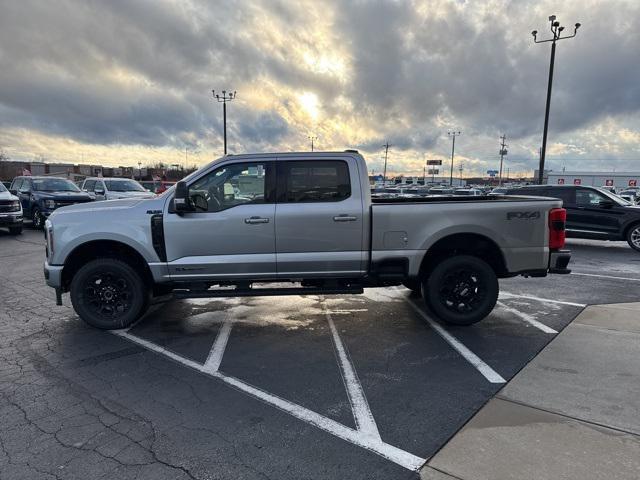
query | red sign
[633, 183]
[608, 183]
[561, 181]
[577, 181]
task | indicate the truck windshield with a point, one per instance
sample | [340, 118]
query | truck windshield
[124, 185]
[54, 185]
[2, 188]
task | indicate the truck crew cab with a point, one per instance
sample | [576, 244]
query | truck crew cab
[242, 222]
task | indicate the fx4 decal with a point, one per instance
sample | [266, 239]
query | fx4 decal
[523, 215]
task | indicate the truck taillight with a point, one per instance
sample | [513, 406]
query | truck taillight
[557, 220]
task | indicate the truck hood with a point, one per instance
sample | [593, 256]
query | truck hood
[63, 196]
[97, 210]
[119, 195]
[7, 196]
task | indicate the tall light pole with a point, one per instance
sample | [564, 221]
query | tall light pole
[386, 152]
[312, 139]
[453, 136]
[139, 170]
[503, 152]
[556, 31]
[224, 98]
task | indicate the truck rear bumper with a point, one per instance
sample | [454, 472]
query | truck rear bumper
[558, 261]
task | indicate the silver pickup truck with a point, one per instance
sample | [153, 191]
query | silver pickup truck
[296, 223]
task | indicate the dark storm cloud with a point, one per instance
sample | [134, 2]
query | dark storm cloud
[140, 72]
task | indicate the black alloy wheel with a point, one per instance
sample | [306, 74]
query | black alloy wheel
[461, 290]
[109, 293]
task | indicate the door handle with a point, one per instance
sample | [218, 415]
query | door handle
[344, 218]
[254, 220]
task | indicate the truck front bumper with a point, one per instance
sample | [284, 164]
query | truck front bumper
[11, 219]
[53, 275]
[559, 260]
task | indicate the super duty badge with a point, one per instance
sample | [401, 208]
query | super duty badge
[523, 215]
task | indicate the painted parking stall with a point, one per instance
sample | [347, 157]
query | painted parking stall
[376, 371]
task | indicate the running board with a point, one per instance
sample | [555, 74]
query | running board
[266, 292]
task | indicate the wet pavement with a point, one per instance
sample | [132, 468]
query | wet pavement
[363, 386]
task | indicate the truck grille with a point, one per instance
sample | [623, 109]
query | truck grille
[66, 203]
[5, 206]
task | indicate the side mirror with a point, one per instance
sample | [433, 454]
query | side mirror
[13, 191]
[181, 201]
[98, 191]
[606, 204]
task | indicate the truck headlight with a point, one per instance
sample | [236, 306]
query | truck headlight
[50, 204]
[15, 206]
[48, 232]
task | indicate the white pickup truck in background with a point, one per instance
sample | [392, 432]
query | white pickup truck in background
[302, 219]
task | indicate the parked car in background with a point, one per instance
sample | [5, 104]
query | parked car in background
[472, 192]
[499, 191]
[634, 193]
[592, 212]
[40, 196]
[114, 188]
[157, 186]
[629, 197]
[609, 188]
[441, 191]
[10, 211]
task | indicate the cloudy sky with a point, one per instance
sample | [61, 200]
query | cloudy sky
[122, 81]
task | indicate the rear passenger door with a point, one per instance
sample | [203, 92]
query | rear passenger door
[319, 218]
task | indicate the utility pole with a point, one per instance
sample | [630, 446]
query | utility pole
[503, 152]
[461, 167]
[312, 139]
[453, 136]
[139, 170]
[224, 98]
[556, 31]
[386, 152]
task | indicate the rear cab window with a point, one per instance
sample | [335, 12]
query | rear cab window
[313, 181]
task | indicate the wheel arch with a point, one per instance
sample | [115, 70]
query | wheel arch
[94, 249]
[473, 244]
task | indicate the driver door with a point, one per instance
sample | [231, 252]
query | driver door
[231, 234]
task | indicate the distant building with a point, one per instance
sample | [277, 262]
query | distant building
[619, 180]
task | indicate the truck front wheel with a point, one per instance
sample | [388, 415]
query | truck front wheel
[461, 290]
[108, 293]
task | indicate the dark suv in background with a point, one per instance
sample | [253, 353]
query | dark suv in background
[592, 212]
[40, 196]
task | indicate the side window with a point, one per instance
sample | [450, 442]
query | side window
[567, 195]
[588, 198]
[26, 185]
[99, 186]
[17, 184]
[314, 181]
[89, 185]
[229, 186]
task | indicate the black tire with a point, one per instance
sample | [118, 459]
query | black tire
[633, 237]
[461, 290]
[36, 218]
[15, 230]
[414, 286]
[109, 294]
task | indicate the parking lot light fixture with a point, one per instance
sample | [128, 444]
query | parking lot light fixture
[556, 31]
[224, 98]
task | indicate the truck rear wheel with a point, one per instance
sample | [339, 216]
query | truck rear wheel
[461, 290]
[108, 293]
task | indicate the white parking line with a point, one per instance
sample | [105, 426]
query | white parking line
[365, 422]
[217, 351]
[488, 372]
[605, 276]
[538, 299]
[527, 318]
[356, 437]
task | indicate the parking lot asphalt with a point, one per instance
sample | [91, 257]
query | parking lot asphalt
[365, 386]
